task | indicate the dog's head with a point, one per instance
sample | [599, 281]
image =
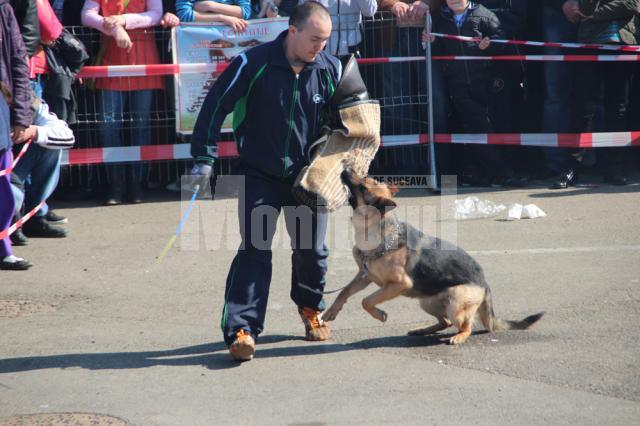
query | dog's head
[365, 194]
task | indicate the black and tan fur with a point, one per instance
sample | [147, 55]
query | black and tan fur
[447, 281]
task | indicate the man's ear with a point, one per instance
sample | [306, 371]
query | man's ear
[384, 205]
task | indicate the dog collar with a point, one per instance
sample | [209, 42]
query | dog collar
[395, 241]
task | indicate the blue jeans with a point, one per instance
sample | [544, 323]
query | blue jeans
[118, 107]
[38, 171]
[556, 116]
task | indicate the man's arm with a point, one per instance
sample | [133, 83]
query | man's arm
[367, 7]
[614, 9]
[242, 8]
[220, 101]
[51, 131]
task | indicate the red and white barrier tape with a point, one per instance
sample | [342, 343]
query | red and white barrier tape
[13, 165]
[10, 230]
[148, 70]
[618, 48]
[171, 69]
[228, 149]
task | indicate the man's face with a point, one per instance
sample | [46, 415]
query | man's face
[310, 40]
[457, 6]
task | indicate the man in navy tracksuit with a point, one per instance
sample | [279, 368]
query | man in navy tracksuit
[276, 92]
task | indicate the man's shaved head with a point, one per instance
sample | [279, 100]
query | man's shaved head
[301, 13]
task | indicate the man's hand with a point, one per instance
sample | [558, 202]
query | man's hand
[484, 43]
[430, 38]
[200, 175]
[417, 10]
[19, 134]
[400, 10]
[238, 25]
[571, 10]
[169, 20]
[122, 39]
[113, 21]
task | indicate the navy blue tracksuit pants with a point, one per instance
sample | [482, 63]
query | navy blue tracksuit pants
[247, 290]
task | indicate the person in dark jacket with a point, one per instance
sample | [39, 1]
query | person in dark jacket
[277, 92]
[469, 84]
[606, 22]
[26, 13]
[14, 71]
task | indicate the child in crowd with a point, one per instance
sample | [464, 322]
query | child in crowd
[15, 117]
[469, 84]
[40, 163]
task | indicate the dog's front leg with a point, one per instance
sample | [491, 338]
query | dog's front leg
[387, 292]
[360, 282]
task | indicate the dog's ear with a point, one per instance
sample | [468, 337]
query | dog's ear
[393, 189]
[384, 205]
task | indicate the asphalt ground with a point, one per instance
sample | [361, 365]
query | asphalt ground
[98, 326]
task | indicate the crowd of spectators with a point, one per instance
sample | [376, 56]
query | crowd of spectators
[469, 97]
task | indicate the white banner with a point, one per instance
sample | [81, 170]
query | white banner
[205, 43]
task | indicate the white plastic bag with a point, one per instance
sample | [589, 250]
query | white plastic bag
[475, 208]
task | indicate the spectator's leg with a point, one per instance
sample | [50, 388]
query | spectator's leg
[110, 107]
[140, 104]
[7, 205]
[617, 90]
[44, 167]
[558, 86]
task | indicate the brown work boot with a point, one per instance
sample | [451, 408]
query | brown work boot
[316, 329]
[243, 348]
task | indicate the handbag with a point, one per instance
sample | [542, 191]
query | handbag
[71, 50]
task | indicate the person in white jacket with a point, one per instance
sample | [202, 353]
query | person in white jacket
[36, 175]
[347, 18]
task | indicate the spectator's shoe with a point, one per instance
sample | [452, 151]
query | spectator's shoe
[37, 227]
[316, 329]
[55, 219]
[18, 238]
[135, 193]
[243, 348]
[114, 195]
[511, 182]
[616, 179]
[12, 263]
[566, 179]
[474, 180]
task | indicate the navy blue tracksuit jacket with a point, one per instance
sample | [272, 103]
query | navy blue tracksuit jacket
[276, 112]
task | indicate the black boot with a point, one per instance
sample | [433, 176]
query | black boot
[38, 227]
[135, 192]
[18, 238]
[114, 194]
[566, 179]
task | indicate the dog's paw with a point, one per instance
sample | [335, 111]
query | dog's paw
[330, 314]
[458, 339]
[380, 315]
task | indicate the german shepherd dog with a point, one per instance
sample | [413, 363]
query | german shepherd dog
[447, 281]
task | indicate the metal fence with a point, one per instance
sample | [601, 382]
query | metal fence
[400, 88]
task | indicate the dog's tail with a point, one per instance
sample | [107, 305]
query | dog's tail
[491, 323]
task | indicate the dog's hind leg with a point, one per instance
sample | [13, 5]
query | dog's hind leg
[464, 303]
[423, 331]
